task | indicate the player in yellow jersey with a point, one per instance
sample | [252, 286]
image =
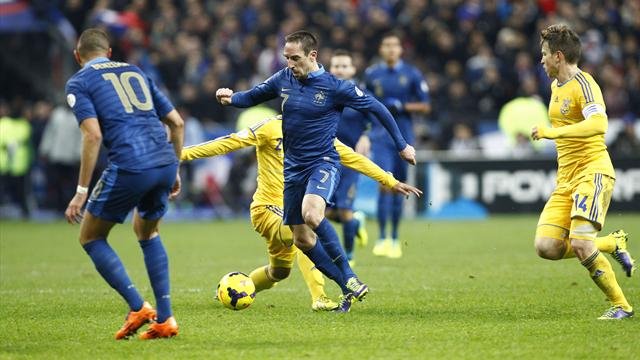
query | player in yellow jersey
[266, 207]
[576, 210]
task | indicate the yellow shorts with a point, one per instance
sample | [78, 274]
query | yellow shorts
[267, 221]
[588, 199]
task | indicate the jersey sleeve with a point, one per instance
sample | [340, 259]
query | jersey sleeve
[590, 97]
[420, 87]
[79, 101]
[361, 164]
[348, 94]
[260, 93]
[160, 101]
[220, 146]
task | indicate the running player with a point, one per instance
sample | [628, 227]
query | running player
[575, 212]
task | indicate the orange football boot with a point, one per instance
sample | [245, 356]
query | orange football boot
[135, 319]
[167, 329]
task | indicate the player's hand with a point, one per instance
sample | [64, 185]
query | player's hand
[224, 96]
[175, 189]
[73, 214]
[408, 154]
[406, 190]
[363, 146]
[538, 132]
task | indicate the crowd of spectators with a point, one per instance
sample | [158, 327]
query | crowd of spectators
[476, 55]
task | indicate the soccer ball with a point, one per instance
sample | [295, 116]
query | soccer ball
[236, 291]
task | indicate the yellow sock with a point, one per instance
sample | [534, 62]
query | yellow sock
[261, 279]
[312, 276]
[602, 274]
[606, 244]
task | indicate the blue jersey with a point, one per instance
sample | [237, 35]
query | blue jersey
[353, 124]
[311, 110]
[403, 83]
[128, 107]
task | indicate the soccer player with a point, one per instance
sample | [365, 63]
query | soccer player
[312, 100]
[118, 105]
[352, 130]
[576, 210]
[266, 207]
[403, 90]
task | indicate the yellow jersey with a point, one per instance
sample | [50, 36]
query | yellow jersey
[572, 102]
[266, 136]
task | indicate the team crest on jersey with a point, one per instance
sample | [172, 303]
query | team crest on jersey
[319, 98]
[564, 109]
[403, 80]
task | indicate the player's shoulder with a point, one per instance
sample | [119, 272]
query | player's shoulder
[268, 127]
[586, 78]
[372, 69]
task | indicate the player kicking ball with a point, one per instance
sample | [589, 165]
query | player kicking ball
[266, 207]
[575, 212]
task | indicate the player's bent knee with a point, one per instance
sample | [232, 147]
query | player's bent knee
[279, 273]
[312, 218]
[549, 248]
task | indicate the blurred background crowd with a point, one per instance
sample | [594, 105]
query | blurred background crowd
[480, 59]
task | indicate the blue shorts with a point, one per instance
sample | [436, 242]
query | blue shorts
[346, 191]
[388, 159]
[119, 191]
[319, 180]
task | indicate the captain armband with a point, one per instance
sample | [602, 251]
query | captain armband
[593, 109]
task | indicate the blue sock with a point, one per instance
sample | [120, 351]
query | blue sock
[155, 258]
[349, 229]
[384, 207]
[323, 262]
[331, 243]
[396, 214]
[112, 270]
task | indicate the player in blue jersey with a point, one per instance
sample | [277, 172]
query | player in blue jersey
[403, 90]
[312, 101]
[352, 131]
[117, 105]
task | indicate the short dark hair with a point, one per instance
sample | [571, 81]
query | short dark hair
[308, 40]
[341, 52]
[93, 41]
[560, 37]
[391, 33]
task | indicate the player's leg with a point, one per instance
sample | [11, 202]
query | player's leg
[150, 210]
[111, 201]
[591, 202]
[343, 201]
[400, 173]
[315, 283]
[267, 221]
[383, 157]
[303, 236]
[320, 189]
[552, 232]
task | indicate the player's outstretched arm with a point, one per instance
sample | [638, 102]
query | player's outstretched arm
[176, 134]
[220, 146]
[361, 164]
[91, 141]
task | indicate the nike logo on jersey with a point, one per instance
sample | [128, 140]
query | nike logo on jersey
[321, 187]
[285, 89]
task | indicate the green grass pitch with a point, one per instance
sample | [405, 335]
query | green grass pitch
[471, 289]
